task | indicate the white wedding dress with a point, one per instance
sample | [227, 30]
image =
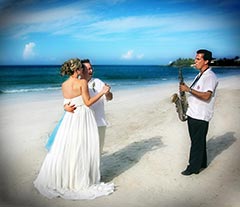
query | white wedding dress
[71, 168]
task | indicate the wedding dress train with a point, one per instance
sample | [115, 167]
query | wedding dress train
[71, 168]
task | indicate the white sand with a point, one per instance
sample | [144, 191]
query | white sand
[146, 149]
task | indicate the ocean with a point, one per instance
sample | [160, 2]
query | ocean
[46, 79]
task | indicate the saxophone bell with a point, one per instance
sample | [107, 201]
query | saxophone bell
[174, 98]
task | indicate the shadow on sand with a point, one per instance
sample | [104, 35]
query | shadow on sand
[114, 164]
[217, 145]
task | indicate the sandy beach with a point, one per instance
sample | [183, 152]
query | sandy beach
[145, 150]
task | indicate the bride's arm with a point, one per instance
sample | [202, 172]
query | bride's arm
[88, 101]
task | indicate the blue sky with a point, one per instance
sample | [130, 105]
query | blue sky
[117, 31]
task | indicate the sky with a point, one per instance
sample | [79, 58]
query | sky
[130, 32]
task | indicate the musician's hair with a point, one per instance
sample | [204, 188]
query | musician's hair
[207, 55]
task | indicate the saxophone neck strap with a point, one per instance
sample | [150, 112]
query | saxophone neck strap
[197, 78]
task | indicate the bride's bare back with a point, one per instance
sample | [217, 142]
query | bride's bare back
[74, 87]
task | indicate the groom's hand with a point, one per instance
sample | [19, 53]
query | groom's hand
[69, 108]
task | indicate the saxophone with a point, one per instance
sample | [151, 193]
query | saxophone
[180, 100]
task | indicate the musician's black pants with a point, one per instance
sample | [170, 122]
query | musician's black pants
[198, 153]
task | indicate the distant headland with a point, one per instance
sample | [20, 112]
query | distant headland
[221, 62]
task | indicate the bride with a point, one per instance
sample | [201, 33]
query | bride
[71, 168]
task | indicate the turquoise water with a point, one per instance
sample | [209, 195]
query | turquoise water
[46, 79]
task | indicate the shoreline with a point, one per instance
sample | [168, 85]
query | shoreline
[145, 150]
[56, 93]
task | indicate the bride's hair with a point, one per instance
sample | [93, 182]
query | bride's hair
[70, 66]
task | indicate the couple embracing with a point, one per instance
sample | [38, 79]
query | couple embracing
[71, 169]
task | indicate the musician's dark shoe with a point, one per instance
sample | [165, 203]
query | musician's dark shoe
[187, 172]
[203, 166]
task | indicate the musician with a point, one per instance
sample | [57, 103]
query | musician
[200, 110]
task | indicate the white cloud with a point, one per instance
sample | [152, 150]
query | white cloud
[139, 56]
[128, 55]
[28, 51]
[71, 18]
[39, 16]
[51, 20]
[81, 21]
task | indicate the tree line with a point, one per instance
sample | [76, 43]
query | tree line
[187, 62]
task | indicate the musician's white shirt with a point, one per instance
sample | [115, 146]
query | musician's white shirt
[197, 108]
